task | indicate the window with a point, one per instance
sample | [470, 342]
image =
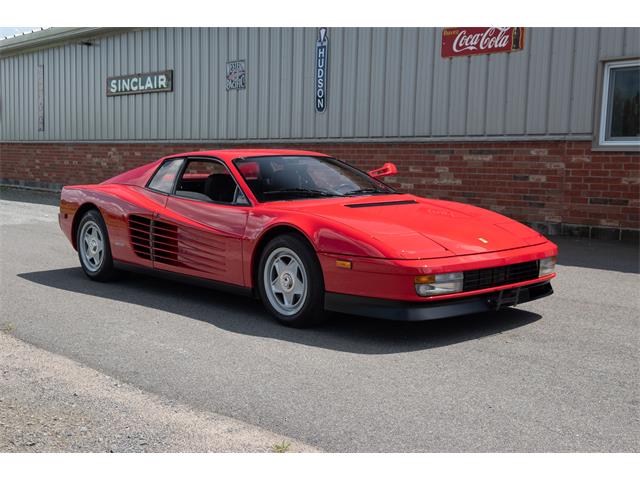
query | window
[291, 177]
[165, 177]
[620, 119]
[209, 181]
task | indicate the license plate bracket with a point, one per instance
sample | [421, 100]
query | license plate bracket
[508, 298]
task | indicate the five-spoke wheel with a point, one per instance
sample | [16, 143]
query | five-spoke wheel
[286, 281]
[92, 241]
[290, 281]
[91, 246]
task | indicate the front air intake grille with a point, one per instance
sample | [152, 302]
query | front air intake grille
[494, 277]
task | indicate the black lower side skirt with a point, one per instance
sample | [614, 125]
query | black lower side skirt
[416, 311]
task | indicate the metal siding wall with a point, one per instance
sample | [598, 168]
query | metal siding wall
[538, 85]
[440, 94]
[382, 83]
[408, 82]
[496, 95]
[424, 82]
[632, 41]
[559, 98]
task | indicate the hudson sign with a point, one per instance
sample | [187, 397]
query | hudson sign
[462, 41]
[140, 83]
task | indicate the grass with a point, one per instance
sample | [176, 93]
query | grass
[281, 447]
[7, 327]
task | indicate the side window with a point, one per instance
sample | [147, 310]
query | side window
[208, 181]
[165, 177]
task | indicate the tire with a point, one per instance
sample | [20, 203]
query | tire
[290, 282]
[94, 250]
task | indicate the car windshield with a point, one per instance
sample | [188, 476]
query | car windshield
[288, 177]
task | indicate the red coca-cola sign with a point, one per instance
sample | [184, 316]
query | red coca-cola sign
[462, 41]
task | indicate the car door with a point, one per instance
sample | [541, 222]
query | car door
[200, 230]
[132, 242]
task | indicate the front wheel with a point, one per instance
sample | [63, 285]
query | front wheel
[93, 247]
[290, 282]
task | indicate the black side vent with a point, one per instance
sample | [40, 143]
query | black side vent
[165, 243]
[140, 234]
[380, 204]
[153, 240]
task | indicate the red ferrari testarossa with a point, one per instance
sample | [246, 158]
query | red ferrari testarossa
[306, 233]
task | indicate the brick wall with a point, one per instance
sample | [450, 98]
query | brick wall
[554, 184]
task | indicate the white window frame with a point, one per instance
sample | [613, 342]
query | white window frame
[604, 105]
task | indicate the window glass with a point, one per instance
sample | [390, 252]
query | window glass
[208, 181]
[622, 102]
[274, 178]
[165, 177]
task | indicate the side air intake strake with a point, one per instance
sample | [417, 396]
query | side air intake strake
[380, 204]
[154, 240]
[140, 234]
[163, 242]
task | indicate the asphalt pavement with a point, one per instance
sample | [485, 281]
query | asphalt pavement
[558, 374]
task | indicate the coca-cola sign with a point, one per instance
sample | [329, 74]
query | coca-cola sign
[462, 41]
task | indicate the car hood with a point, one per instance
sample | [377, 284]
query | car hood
[413, 227]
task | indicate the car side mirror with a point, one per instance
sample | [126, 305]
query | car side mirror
[386, 170]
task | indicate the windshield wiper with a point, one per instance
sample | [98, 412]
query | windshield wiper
[300, 191]
[364, 191]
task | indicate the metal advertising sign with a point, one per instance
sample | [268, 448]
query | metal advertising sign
[236, 75]
[140, 83]
[462, 41]
[322, 59]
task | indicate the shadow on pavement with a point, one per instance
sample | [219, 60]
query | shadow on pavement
[29, 196]
[246, 316]
[599, 254]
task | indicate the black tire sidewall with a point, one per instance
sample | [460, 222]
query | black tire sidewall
[312, 312]
[106, 270]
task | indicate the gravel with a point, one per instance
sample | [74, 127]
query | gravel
[49, 403]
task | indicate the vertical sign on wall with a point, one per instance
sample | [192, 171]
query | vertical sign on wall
[236, 75]
[41, 98]
[321, 70]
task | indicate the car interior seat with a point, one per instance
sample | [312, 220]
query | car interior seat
[220, 187]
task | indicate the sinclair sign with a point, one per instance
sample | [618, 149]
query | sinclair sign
[463, 41]
[140, 83]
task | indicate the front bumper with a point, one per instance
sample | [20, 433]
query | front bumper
[416, 311]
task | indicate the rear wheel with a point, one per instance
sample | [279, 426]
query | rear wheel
[93, 247]
[290, 282]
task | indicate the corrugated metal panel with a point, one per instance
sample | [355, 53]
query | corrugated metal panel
[516, 88]
[424, 83]
[363, 76]
[583, 90]
[440, 94]
[631, 41]
[476, 95]
[559, 98]
[382, 83]
[377, 84]
[495, 103]
[538, 80]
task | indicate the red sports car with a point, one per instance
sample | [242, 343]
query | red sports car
[306, 233]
